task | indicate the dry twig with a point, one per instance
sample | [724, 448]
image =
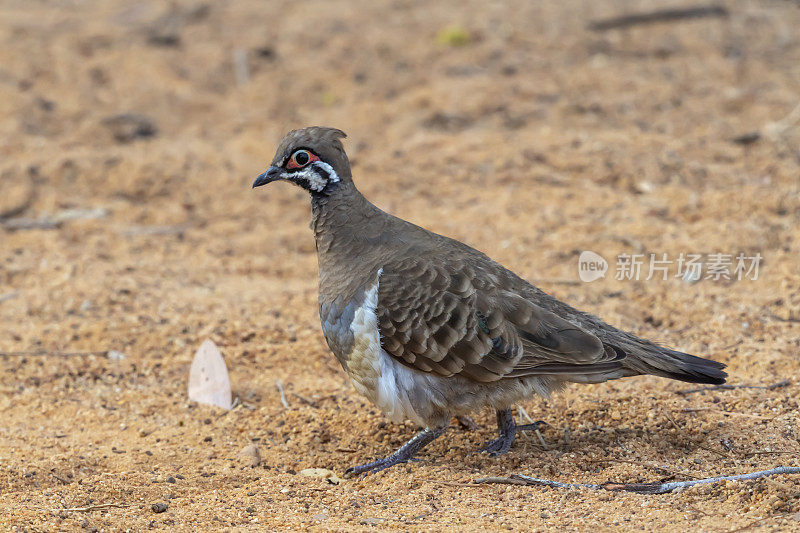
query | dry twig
[63, 480]
[53, 221]
[178, 229]
[307, 401]
[283, 395]
[56, 353]
[661, 15]
[639, 488]
[88, 508]
[781, 319]
[17, 210]
[8, 296]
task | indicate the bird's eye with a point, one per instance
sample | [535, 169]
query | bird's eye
[301, 158]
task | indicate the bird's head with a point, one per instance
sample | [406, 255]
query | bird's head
[312, 158]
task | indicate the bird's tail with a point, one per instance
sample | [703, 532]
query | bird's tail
[648, 358]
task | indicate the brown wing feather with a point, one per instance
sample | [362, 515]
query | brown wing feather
[456, 318]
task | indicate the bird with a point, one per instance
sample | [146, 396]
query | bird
[428, 328]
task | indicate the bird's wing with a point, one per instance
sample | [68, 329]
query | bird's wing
[449, 316]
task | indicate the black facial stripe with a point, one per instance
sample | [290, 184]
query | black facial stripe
[302, 182]
[324, 174]
[298, 178]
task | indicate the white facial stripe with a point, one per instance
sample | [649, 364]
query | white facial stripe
[332, 176]
[316, 182]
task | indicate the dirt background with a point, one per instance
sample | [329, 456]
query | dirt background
[510, 126]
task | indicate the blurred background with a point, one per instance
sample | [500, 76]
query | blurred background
[130, 133]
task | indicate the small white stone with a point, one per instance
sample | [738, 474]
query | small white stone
[114, 355]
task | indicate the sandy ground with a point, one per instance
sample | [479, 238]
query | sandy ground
[509, 126]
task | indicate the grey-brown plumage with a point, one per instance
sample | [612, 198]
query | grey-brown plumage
[428, 327]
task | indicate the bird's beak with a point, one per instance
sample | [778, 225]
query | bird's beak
[273, 173]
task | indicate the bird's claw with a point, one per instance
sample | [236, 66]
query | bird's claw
[535, 426]
[373, 467]
[498, 446]
[508, 432]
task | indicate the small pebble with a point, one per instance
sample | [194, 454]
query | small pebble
[159, 507]
[323, 473]
[250, 455]
[114, 355]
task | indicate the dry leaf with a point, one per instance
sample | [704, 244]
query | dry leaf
[208, 378]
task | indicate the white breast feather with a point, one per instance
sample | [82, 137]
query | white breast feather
[375, 373]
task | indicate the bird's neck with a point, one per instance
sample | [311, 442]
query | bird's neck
[341, 218]
[351, 236]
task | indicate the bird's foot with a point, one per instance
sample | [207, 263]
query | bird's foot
[402, 455]
[500, 445]
[508, 430]
[375, 466]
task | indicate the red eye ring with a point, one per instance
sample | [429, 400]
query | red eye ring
[300, 159]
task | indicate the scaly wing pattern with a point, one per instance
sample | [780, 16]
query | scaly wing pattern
[450, 316]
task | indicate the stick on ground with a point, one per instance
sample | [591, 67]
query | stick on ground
[639, 488]
[88, 508]
[661, 15]
[23, 206]
[279, 385]
[9, 296]
[53, 353]
[63, 480]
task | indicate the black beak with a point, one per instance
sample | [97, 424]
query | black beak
[272, 174]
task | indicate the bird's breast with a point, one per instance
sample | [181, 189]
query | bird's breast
[353, 335]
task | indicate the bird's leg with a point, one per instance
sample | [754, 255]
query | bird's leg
[402, 455]
[508, 431]
[467, 423]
